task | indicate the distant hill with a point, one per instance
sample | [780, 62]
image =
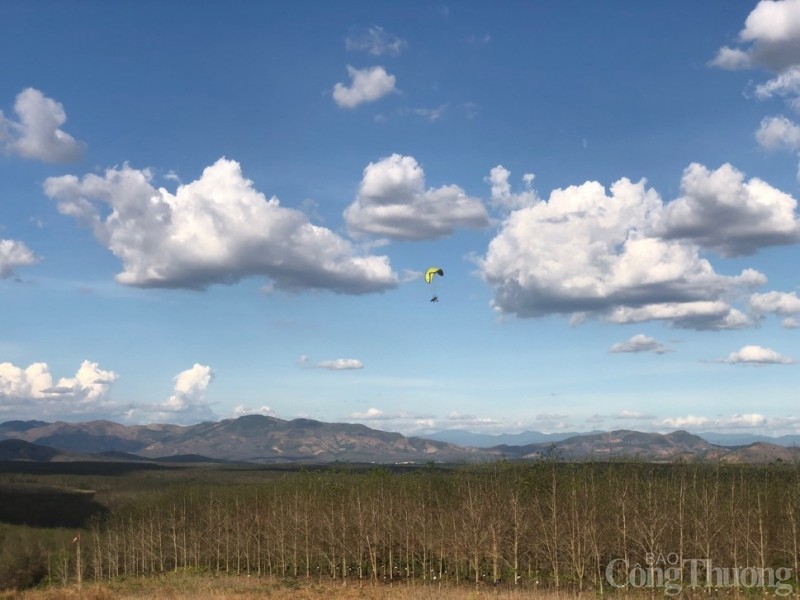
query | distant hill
[487, 440]
[262, 439]
[654, 447]
[743, 439]
[761, 452]
[622, 444]
[10, 428]
[251, 438]
[22, 450]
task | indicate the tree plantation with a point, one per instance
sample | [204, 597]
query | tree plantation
[594, 527]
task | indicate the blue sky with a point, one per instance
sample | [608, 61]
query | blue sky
[212, 209]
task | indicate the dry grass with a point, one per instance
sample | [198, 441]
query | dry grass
[194, 587]
[234, 588]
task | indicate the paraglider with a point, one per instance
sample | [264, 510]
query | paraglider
[429, 275]
[431, 272]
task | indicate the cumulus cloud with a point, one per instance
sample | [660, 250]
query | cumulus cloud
[417, 423]
[732, 59]
[591, 254]
[791, 322]
[403, 421]
[216, 229]
[768, 39]
[700, 315]
[375, 41]
[777, 303]
[187, 404]
[376, 414]
[393, 202]
[719, 210]
[371, 414]
[687, 422]
[241, 410]
[778, 133]
[341, 364]
[639, 343]
[503, 198]
[14, 254]
[190, 390]
[785, 85]
[36, 133]
[733, 422]
[633, 414]
[32, 392]
[458, 419]
[367, 85]
[757, 355]
[745, 420]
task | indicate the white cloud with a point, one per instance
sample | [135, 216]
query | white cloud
[191, 386]
[732, 59]
[457, 419]
[745, 420]
[734, 422]
[640, 343]
[769, 38]
[773, 21]
[699, 315]
[14, 254]
[402, 421]
[375, 41]
[37, 134]
[187, 404]
[376, 414]
[778, 303]
[341, 364]
[503, 198]
[430, 114]
[217, 229]
[336, 364]
[784, 85]
[588, 253]
[778, 133]
[757, 355]
[241, 410]
[371, 414]
[31, 392]
[791, 323]
[393, 202]
[721, 211]
[367, 85]
[633, 415]
[687, 422]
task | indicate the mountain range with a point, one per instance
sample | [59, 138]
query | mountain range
[488, 440]
[263, 439]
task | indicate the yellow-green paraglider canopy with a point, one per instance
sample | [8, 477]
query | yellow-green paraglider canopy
[431, 272]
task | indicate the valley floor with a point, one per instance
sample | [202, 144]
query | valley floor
[238, 588]
[229, 588]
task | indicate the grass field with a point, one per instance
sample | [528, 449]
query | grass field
[237, 588]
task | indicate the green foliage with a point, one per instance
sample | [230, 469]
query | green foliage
[27, 554]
